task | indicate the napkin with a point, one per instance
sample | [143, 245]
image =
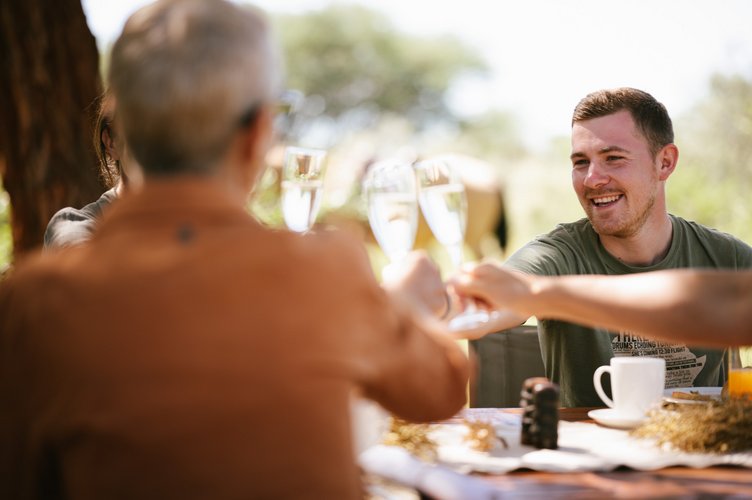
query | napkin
[437, 481]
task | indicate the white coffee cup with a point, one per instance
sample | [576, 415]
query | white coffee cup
[636, 384]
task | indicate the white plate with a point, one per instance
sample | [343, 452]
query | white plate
[715, 392]
[610, 418]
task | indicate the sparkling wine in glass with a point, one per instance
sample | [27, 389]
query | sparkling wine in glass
[302, 187]
[390, 192]
[443, 201]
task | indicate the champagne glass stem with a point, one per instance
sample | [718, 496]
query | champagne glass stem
[456, 255]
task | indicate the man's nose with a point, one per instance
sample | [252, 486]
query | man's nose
[596, 176]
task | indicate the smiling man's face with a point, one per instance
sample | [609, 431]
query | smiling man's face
[615, 175]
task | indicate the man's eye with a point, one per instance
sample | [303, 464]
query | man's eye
[614, 158]
[580, 163]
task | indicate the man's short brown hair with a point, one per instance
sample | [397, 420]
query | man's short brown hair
[649, 115]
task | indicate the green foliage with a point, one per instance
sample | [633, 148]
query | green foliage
[491, 135]
[713, 180]
[355, 60]
[539, 195]
[381, 89]
[264, 203]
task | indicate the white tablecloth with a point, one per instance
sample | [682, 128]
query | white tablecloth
[582, 447]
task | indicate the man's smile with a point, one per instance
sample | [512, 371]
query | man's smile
[606, 200]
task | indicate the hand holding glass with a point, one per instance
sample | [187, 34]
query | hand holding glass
[302, 187]
[443, 201]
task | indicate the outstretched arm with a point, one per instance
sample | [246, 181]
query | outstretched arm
[698, 307]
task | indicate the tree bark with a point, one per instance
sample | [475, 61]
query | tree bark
[49, 81]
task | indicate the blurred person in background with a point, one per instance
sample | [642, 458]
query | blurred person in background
[71, 226]
[120, 173]
[623, 153]
[186, 351]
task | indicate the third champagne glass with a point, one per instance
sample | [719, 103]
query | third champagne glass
[302, 187]
[442, 198]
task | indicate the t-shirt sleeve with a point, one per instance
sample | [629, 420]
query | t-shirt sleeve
[744, 255]
[71, 226]
[65, 232]
[539, 257]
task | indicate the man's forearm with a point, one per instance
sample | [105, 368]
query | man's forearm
[708, 308]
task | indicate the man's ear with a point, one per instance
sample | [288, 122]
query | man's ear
[667, 159]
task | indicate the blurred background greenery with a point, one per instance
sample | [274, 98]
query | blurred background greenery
[369, 91]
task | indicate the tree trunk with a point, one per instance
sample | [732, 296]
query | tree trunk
[49, 80]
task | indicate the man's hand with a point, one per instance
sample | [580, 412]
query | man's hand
[495, 286]
[506, 293]
[417, 281]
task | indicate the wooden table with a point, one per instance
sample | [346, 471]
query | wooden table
[672, 482]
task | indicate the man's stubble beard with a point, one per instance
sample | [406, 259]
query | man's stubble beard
[622, 230]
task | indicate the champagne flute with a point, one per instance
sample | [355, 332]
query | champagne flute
[302, 187]
[390, 192]
[443, 201]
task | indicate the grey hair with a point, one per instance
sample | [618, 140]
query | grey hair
[186, 74]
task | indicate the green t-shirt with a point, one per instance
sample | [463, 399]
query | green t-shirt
[571, 352]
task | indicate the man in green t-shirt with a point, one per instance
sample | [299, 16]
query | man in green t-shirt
[622, 155]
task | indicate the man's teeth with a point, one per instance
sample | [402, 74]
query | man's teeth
[606, 199]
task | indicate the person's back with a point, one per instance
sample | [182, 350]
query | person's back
[186, 351]
[227, 365]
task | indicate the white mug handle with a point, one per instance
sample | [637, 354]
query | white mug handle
[597, 383]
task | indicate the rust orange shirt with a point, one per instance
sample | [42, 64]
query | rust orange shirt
[188, 352]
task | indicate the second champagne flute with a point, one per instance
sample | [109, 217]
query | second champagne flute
[390, 192]
[444, 204]
[302, 187]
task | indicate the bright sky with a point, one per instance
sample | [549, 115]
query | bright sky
[547, 54]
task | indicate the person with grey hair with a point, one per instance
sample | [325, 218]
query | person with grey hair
[186, 351]
[623, 154]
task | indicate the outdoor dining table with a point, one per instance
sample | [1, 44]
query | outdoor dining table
[717, 481]
[670, 482]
